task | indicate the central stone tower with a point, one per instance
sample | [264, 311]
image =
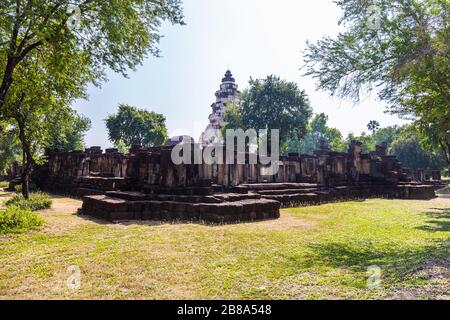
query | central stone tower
[228, 93]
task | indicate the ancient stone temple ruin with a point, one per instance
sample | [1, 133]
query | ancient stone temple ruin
[227, 94]
[145, 184]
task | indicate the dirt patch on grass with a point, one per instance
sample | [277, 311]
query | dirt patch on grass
[436, 274]
[285, 222]
[62, 216]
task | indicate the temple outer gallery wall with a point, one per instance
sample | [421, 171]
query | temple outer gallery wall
[145, 184]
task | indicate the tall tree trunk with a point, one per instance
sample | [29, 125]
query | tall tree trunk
[28, 161]
[7, 80]
[26, 182]
[446, 149]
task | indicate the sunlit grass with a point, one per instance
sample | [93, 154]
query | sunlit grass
[310, 253]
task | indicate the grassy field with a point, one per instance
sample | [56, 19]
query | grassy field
[320, 252]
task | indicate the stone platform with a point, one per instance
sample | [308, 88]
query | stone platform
[295, 194]
[158, 189]
[216, 208]
[250, 202]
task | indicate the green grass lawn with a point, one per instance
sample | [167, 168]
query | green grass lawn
[320, 252]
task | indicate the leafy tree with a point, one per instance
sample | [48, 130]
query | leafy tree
[133, 126]
[108, 34]
[386, 135]
[318, 130]
[373, 126]
[409, 150]
[399, 48]
[66, 130]
[405, 143]
[272, 103]
[368, 143]
[9, 147]
[381, 136]
[38, 106]
[122, 147]
[46, 63]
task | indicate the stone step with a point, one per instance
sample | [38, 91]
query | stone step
[83, 191]
[279, 186]
[128, 195]
[286, 191]
[216, 198]
[150, 189]
[299, 198]
[230, 197]
[116, 209]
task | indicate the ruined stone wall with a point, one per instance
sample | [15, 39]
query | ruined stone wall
[153, 168]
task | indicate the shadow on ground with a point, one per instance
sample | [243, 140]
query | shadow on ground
[396, 261]
[440, 220]
[152, 223]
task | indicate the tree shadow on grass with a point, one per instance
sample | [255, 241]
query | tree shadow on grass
[151, 223]
[396, 263]
[440, 220]
[436, 226]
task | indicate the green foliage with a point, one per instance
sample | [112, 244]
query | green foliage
[46, 64]
[406, 144]
[105, 34]
[122, 147]
[9, 147]
[380, 136]
[133, 126]
[403, 55]
[18, 220]
[272, 103]
[37, 201]
[4, 184]
[66, 130]
[368, 143]
[386, 135]
[32, 188]
[409, 150]
[233, 118]
[318, 130]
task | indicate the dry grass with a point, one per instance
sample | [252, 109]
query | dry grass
[309, 253]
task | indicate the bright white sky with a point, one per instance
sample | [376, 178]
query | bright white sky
[253, 38]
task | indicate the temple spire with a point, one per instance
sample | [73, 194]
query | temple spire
[228, 77]
[227, 93]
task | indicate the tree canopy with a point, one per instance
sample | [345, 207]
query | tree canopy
[272, 103]
[409, 150]
[400, 49]
[317, 131]
[38, 102]
[9, 147]
[105, 34]
[66, 130]
[50, 51]
[133, 126]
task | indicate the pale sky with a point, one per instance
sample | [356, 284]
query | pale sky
[253, 38]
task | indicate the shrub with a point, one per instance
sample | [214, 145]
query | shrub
[16, 220]
[32, 187]
[4, 184]
[37, 201]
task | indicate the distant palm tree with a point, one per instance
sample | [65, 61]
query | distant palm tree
[373, 125]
